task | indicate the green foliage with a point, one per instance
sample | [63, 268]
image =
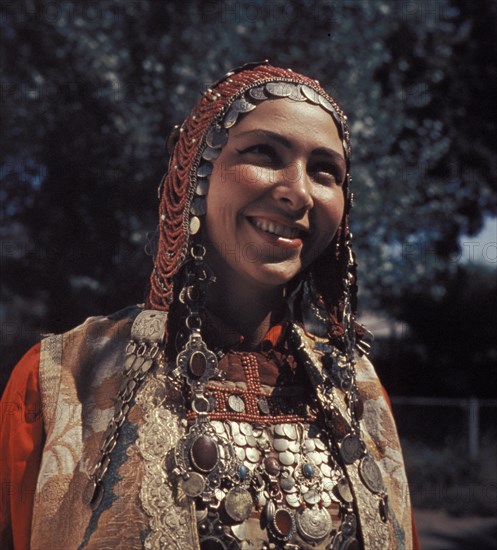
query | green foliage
[90, 90]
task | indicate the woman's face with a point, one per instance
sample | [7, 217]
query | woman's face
[275, 195]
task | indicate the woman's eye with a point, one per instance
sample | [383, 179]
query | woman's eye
[327, 173]
[262, 150]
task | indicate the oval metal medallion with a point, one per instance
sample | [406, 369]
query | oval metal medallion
[351, 448]
[236, 403]
[371, 474]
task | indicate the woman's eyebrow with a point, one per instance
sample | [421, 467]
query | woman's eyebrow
[287, 143]
[266, 134]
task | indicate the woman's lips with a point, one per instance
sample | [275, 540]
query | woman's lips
[275, 233]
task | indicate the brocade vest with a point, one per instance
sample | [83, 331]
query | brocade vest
[81, 372]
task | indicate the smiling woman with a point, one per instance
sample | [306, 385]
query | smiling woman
[236, 409]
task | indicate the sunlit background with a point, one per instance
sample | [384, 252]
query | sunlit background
[89, 92]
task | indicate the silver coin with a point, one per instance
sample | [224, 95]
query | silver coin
[251, 440]
[246, 428]
[242, 105]
[204, 170]
[309, 445]
[209, 153]
[239, 439]
[294, 447]
[296, 94]
[290, 431]
[320, 444]
[240, 453]
[326, 104]
[263, 405]
[313, 524]
[371, 474]
[236, 403]
[238, 504]
[292, 500]
[328, 485]
[287, 485]
[193, 485]
[310, 94]
[218, 426]
[326, 498]
[216, 139]
[257, 432]
[252, 454]
[202, 187]
[258, 93]
[281, 444]
[198, 206]
[326, 469]
[286, 458]
[343, 489]
[219, 494]
[278, 430]
[194, 225]
[235, 427]
[313, 496]
[230, 118]
[316, 457]
[240, 531]
[279, 89]
[351, 448]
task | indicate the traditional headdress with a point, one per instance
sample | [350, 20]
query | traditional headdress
[327, 299]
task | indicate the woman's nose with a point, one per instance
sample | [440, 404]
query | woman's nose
[292, 186]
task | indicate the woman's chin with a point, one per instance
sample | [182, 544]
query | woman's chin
[272, 275]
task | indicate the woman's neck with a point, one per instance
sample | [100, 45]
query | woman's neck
[249, 310]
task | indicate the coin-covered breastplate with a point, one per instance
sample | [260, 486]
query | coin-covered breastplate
[261, 466]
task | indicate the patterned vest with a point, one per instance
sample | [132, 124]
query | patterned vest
[81, 372]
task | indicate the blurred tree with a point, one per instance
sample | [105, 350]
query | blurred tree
[89, 91]
[451, 347]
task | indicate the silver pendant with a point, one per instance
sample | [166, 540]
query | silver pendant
[196, 362]
[193, 484]
[343, 490]
[238, 504]
[351, 448]
[283, 525]
[216, 138]
[236, 403]
[371, 474]
[313, 524]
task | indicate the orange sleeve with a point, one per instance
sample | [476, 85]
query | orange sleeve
[21, 443]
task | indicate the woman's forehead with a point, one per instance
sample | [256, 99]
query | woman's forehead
[298, 121]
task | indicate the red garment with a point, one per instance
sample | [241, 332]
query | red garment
[21, 444]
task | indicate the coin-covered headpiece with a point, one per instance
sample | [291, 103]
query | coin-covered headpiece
[327, 294]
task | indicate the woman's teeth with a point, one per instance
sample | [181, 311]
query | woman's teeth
[276, 229]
